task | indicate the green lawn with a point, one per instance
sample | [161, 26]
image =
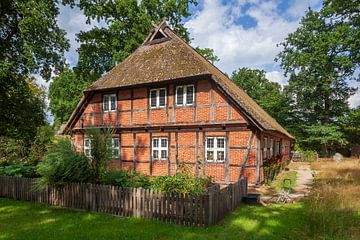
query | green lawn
[285, 179]
[25, 220]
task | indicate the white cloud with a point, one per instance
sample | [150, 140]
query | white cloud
[298, 7]
[276, 76]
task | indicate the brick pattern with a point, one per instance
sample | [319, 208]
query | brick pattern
[185, 147]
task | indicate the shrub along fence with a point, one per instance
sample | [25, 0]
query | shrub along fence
[182, 209]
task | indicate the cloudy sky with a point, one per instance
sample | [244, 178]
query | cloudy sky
[243, 33]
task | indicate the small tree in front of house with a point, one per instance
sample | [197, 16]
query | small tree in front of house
[100, 150]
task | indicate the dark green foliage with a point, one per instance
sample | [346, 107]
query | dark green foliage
[267, 94]
[19, 170]
[182, 183]
[43, 139]
[62, 165]
[100, 150]
[11, 151]
[126, 179]
[208, 53]
[65, 92]
[350, 126]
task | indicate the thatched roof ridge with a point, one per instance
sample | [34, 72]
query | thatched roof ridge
[167, 58]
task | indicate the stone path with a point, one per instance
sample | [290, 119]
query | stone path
[304, 181]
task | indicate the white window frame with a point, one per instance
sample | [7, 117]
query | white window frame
[271, 147]
[157, 90]
[265, 147]
[87, 147]
[277, 148]
[109, 102]
[215, 149]
[185, 87]
[159, 148]
[112, 147]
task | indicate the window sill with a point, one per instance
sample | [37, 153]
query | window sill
[215, 162]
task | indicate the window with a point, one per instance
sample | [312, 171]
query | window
[215, 149]
[271, 147]
[115, 147]
[265, 147]
[277, 148]
[157, 98]
[160, 148]
[185, 95]
[87, 147]
[109, 103]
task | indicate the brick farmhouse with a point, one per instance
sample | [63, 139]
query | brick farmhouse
[170, 107]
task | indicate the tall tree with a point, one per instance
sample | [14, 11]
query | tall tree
[125, 24]
[208, 53]
[65, 92]
[30, 42]
[320, 58]
[266, 93]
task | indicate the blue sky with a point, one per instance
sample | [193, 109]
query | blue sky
[243, 33]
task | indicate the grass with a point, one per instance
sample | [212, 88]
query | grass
[332, 211]
[285, 179]
[25, 220]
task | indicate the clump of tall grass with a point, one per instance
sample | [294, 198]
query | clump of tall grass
[333, 208]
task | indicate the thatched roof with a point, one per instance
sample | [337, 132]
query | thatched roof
[165, 56]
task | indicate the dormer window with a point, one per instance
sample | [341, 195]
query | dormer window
[158, 98]
[185, 95]
[109, 103]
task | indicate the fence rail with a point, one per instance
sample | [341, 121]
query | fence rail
[182, 209]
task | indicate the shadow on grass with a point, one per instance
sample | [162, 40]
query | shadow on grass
[24, 220]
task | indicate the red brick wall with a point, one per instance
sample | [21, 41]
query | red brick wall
[133, 108]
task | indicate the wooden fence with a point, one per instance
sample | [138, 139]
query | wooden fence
[182, 209]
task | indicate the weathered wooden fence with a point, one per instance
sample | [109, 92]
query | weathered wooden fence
[182, 209]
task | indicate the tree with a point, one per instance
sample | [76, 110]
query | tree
[30, 42]
[350, 124]
[208, 53]
[266, 93]
[127, 24]
[320, 57]
[65, 92]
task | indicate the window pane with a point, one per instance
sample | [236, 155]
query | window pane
[189, 94]
[210, 155]
[87, 152]
[116, 142]
[180, 96]
[210, 142]
[106, 103]
[115, 153]
[221, 143]
[155, 154]
[153, 98]
[164, 142]
[220, 155]
[155, 142]
[113, 102]
[162, 98]
[87, 143]
[163, 154]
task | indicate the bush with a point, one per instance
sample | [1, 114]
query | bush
[19, 170]
[63, 165]
[11, 151]
[127, 179]
[182, 183]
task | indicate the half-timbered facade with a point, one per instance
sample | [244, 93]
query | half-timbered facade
[170, 107]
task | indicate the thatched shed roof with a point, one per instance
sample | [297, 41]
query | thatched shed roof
[165, 56]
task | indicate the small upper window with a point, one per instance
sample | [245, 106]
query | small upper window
[185, 95]
[265, 147]
[109, 103]
[158, 98]
[271, 147]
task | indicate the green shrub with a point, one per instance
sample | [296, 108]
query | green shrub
[182, 183]
[19, 170]
[63, 165]
[12, 151]
[127, 179]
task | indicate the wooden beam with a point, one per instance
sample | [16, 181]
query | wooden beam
[258, 157]
[246, 156]
[120, 150]
[204, 152]
[197, 153]
[176, 151]
[151, 157]
[132, 108]
[169, 149]
[134, 157]
[227, 160]
[212, 109]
